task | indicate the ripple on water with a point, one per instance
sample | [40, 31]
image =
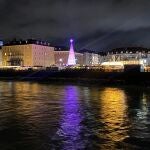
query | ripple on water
[42, 116]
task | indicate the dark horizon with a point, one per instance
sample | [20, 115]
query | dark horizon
[96, 25]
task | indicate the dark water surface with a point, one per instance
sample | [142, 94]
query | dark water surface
[37, 116]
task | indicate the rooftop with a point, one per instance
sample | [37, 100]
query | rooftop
[129, 49]
[25, 42]
[61, 48]
[87, 51]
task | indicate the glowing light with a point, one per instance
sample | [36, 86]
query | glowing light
[71, 40]
[112, 64]
[60, 59]
[71, 58]
[113, 113]
[70, 122]
[1, 43]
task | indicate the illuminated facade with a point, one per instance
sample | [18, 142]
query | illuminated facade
[71, 57]
[27, 53]
[127, 56]
[131, 55]
[90, 58]
[1, 44]
[61, 57]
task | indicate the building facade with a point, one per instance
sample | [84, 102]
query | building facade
[101, 57]
[131, 55]
[121, 57]
[28, 53]
[90, 58]
[62, 54]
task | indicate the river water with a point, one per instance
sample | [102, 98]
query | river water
[36, 116]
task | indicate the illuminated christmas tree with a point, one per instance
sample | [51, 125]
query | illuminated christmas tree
[71, 58]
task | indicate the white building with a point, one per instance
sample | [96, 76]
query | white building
[128, 56]
[90, 58]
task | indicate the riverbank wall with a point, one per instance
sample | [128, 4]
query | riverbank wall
[74, 75]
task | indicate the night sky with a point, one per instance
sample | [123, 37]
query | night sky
[94, 24]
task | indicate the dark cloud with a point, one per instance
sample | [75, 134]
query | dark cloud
[95, 24]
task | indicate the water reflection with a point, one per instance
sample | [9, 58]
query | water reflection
[70, 125]
[140, 120]
[43, 116]
[113, 116]
[143, 111]
[25, 118]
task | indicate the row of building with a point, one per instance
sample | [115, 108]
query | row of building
[33, 53]
[129, 56]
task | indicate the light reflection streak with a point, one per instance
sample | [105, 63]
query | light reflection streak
[113, 115]
[140, 121]
[70, 127]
